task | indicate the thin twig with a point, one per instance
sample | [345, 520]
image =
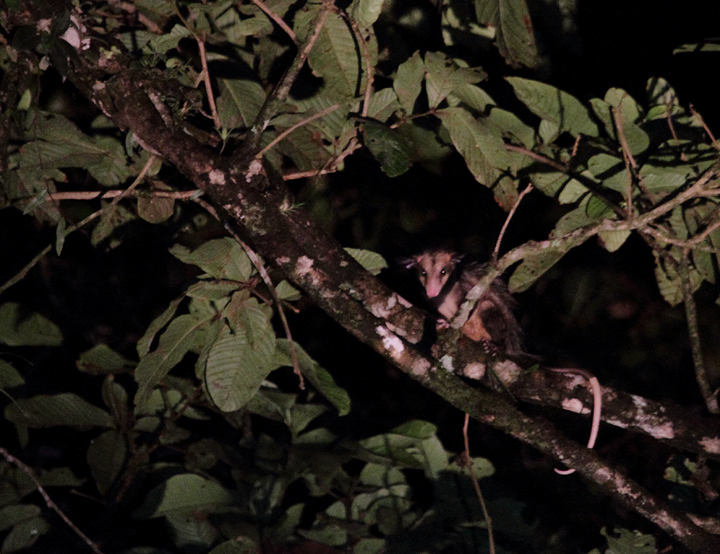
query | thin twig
[366, 58]
[711, 400]
[275, 100]
[263, 273]
[468, 463]
[705, 127]
[49, 501]
[32, 263]
[507, 221]
[286, 132]
[208, 84]
[630, 163]
[277, 19]
[106, 195]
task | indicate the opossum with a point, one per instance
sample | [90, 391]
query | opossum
[447, 279]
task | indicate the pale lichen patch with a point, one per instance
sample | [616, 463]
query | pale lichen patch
[216, 177]
[474, 370]
[282, 260]
[304, 266]
[574, 405]
[447, 363]
[710, 445]
[508, 372]
[390, 341]
[639, 401]
[656, 429]
[420, 367]
[255, 168]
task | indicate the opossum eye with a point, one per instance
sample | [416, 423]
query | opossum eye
[423, 273]
[443, 271]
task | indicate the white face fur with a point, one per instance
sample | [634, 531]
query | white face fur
[434, 269]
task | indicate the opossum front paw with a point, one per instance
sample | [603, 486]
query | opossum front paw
[442, 324]
[490, 347]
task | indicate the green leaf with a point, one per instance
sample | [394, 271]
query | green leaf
[508, 124]
[365, 12]
[335, 55]
[413, 444]
[61, 144]
[9, 376]
[630, 542]
[408, 81]
[175, 342]
[239, 102]
[14, 514]
[630, 113]
[240, 545]
[514, 36]
[25, 534]
[60, 234]
[145, 342]
[371, 261]
[390, 148]
[302, 414]
[106, 457]
[101, 360]
[318, 376]
[536, 264]
[443, 77]
[286, 291]
[613, 240]
[473, 96]
[483, 151]
[610, 171]
[183, 493]
[156, 209]
[19, 327]
[116, 399]
[111, 218]
[220, 258]
[235, 372]
[669, 280]
[66, 409]
[554, 105]
[382, 105]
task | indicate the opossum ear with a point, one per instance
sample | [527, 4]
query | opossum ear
[457, 258]
[409, 262]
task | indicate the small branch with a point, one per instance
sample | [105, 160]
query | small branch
[24, 271]
[264, 274]
[466, 460]
[704, 126]
[507, 221]
[366, 58]
[266, 278]
[711, 400]
[286, 132]
[49, 501]
[277, 19]
[586, 182]
[106, 195]
[282, 90]
[630, 163]
[208, 85]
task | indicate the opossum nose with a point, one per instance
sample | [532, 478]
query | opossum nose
[433, 291]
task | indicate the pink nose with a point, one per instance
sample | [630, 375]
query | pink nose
[433, 290]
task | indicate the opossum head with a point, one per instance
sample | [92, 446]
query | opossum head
[434, 268]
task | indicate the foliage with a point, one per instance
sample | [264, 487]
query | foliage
[617, 167]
